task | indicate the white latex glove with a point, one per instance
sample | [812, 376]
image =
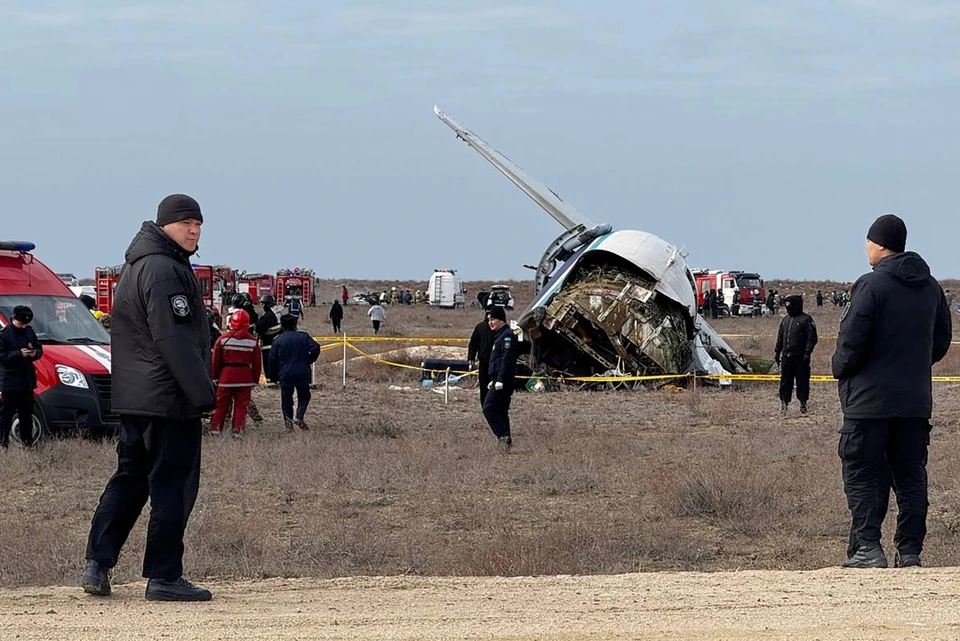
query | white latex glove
[498, 385]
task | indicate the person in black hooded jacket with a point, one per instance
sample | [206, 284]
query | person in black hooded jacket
[19, 348]
[896, 326]
[796, 339]
[161, 389]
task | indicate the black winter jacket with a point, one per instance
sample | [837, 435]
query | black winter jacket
[797, 335]
[896, 326]
[503, 358]
[481, 342]
[160, 336]
[291, 355]
[17, 373]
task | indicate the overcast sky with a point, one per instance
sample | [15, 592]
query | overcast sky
[757, 135]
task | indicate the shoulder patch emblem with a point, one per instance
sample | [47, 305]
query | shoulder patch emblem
[180, 305]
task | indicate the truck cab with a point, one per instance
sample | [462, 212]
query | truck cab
[294, 283]
[74, 375]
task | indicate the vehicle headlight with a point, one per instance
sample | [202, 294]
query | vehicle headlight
[72, 377]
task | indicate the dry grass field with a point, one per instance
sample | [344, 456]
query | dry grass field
[390, 482]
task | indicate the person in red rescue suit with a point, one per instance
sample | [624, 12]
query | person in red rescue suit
[236, 371]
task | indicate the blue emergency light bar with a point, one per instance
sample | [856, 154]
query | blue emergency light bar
[17, 245]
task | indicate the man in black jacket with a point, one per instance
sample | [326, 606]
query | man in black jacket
[161, 389]
[478, 354]
[291, 357]
[796, 339]
[19, 348]
[895, 327]
[502, 370]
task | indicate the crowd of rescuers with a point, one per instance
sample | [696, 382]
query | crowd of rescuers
[167, 376]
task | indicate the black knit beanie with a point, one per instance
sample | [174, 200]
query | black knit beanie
[497, 312]
[177, 207]
[890, 232]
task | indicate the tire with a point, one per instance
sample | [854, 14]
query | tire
[40, 431]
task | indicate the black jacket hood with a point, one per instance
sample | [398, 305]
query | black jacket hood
[794, 304]
[907, 267]
[153, 240]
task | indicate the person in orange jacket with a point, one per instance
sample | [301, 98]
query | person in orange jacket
[236, 371]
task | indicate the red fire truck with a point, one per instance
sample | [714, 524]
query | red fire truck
[727, 282]
[294, 283]
[73, 376]
[106, 278]
[257, 285]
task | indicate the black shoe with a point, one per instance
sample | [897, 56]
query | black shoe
[299, 423]
[95, 579]
[869, 555]
[504, 443]
[907, 561]
[803, 407]
[783, 408]
[178, 590]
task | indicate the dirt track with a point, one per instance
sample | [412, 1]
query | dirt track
[822, 604]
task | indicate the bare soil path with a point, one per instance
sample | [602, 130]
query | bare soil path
[821, 604]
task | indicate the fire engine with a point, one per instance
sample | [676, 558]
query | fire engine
[294, 283]
[107, 278]
[73, 376]
[745, 283]
[257, 285]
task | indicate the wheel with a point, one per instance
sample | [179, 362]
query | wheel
[39, 428]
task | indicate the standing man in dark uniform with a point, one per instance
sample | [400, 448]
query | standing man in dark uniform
[268, 328]
[502, 370]
[796, 339]
[478, 354]
[895, 328]
[19, 348]
[161, 389]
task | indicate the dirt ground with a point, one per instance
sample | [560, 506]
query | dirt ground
[822, 604]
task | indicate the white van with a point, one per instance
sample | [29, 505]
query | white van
[446, 289]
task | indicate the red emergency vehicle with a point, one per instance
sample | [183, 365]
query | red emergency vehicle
[257, 285]
[745, 283]
[294, 283]
[107, 278]
[207, 279]
[73, 377]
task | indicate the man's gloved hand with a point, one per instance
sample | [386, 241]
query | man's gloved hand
[498, 385]
[806, 358]
[776, 358]
[490, 385]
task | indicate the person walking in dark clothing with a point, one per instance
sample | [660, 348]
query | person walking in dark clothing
[161, 389]
[336, 316]
[896, 326]
[796, 339]
[291, 356]
[19, 349]
[502, 370]
[819, 298]
[478, 354]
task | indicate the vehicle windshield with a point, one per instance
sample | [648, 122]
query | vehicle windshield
[58, 320]
[752, 282]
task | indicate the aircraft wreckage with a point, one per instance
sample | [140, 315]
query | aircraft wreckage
[606, 302]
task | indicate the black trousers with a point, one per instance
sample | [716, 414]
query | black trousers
[794, 369]
[286, 400]
[376, 327]
[496, 409]
[483, 379]
[21, 405]
[268, 372]
[156, 459]
[336, 326]
[877, 455]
